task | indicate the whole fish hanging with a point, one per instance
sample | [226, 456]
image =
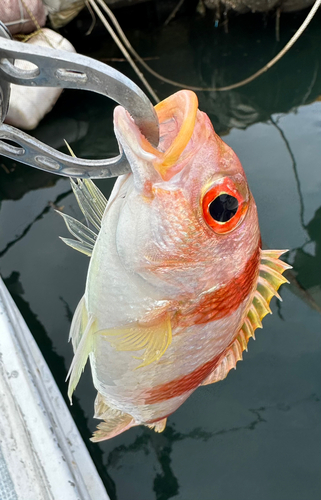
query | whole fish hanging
[177, 280]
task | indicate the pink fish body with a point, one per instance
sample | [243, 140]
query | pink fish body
[177, 281]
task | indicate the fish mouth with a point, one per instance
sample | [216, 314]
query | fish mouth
[177, 117]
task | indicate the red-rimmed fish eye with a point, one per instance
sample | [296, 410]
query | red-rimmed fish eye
[224, 205]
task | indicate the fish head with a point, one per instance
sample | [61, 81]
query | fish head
[190, 221]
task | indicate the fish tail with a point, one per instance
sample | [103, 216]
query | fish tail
[158, 426]
[115, 421]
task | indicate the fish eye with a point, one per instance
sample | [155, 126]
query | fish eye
[224, 205]
[223, 208]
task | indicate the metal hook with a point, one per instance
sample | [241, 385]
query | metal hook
[56, 68]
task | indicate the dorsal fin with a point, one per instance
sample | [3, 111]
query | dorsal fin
[269, 281]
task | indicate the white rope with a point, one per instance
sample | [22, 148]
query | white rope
[122, 47]
[271, 63]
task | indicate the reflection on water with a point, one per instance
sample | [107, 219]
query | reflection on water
[26, 229]
[257, 434]
[306, 277]
[294, 166]
[307, 260]
[165, 484]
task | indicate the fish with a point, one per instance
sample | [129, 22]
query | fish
[177, 281]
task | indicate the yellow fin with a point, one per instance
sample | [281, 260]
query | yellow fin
[86, 238]
[89, 199]
[154, 339]
[91, 190]
[84, 348]
[78, 324]
[100, 406]
[92, 204]
[158, 426]
[115, 422]
[80, 246]
[269, 281]
[69, 149]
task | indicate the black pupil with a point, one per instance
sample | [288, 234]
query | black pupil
[223, 208]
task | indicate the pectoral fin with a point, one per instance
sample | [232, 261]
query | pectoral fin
[154, 339]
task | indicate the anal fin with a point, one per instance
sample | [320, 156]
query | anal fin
[270, 279]
[84, 348]
[78, 324]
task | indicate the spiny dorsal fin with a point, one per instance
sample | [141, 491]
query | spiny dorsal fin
[92, 203]
[269, 281]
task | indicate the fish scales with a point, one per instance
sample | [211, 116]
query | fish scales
[177, 281]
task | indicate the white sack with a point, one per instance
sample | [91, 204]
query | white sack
[28, 105]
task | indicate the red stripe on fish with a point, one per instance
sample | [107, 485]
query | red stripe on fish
[180, 385]
[228, 298]
[222, 302]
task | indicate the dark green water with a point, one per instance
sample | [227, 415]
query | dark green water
[257, 434]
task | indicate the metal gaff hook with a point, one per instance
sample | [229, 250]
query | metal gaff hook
[56, 68]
